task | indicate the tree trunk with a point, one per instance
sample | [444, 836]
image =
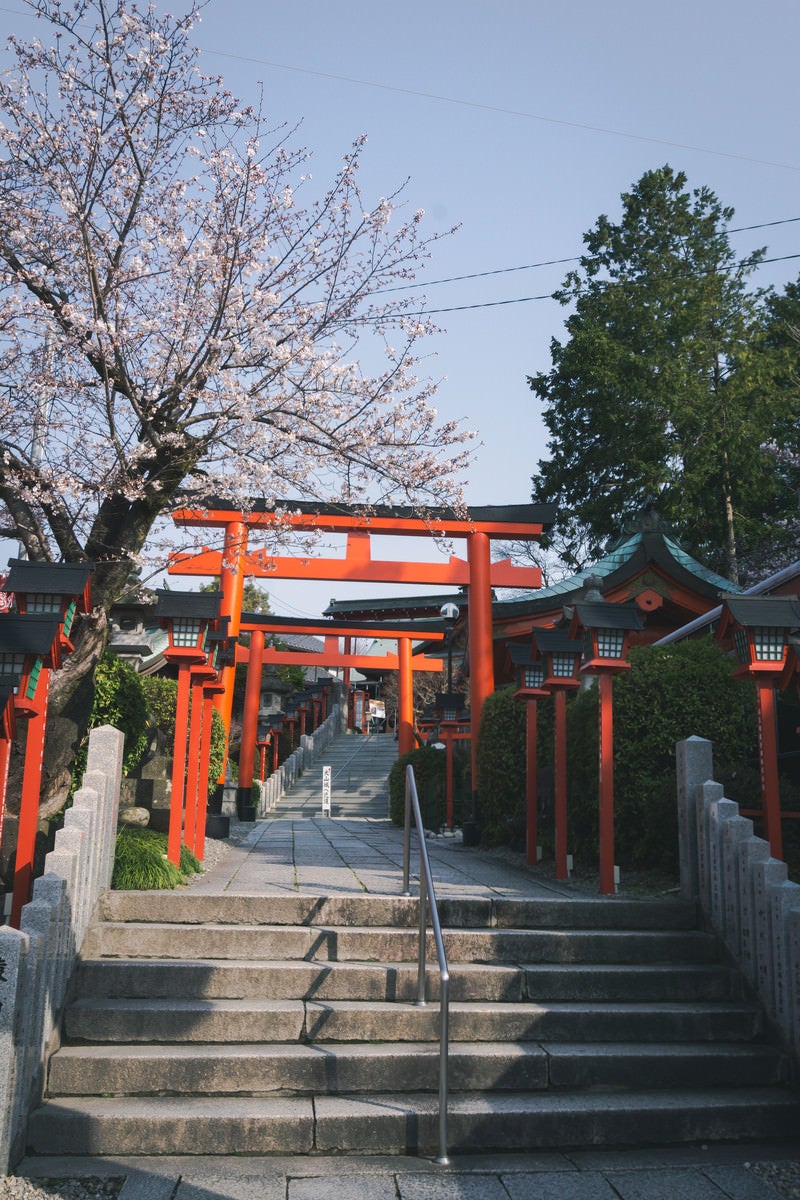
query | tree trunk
[731, 558]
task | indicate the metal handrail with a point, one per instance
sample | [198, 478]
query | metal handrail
[427, 899]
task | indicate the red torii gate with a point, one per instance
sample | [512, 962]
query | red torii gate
[478, 525]
[258, 654]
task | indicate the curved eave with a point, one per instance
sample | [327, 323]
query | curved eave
[616, 572]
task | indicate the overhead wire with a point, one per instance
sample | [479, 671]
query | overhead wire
[554, 262]
[516, 113]
[509, 112]
[431, 312]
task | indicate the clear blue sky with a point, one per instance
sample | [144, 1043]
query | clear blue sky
[521, 122]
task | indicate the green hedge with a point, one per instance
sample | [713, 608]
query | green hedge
[430, 774]
[670, 693]
[501, 766]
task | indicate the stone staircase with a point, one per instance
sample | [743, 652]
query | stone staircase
[360, 766]
[222, 1024]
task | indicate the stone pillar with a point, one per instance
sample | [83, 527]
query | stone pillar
[734, 833]
[720, 812]
[751, 851]
[695, 766]
[13, 962]
[706, 795]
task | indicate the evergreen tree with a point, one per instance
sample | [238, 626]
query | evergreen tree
[659, 393]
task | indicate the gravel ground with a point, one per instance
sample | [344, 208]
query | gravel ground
[13, 1187]
[783, 1176]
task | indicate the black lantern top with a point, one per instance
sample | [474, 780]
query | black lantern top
[529, 669]
[450, 706]
[27, 643]
[561, 656]
[760, 627]
[607, 628]
[187, 616]
[43, 587]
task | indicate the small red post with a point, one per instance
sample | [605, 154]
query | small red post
[179, 765]
[481, 647]
[205, 763]
[5, 760]
[231, 582]
[29, 800]
[348, 649]
[531, 797]
[560, 704]
[605, 684]
[768, 756]
[252, 700]
[405, 697]
[190, 828]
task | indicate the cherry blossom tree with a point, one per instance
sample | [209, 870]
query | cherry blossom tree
[181, 312]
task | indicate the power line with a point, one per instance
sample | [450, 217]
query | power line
[432, 312]
[475, 104]
[509, 112]
[552, 262]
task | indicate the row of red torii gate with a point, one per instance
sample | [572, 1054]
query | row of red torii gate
[235, 560]
[40, 603]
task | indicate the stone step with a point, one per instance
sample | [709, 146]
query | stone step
[298, 979]
[383, 1123]
[397, 911]
[253, 1020]
[244, 1069]
[383, 944]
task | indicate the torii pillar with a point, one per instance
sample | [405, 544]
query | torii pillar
[231, 583]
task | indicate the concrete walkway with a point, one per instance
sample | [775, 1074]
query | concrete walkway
[296, 849]
[683, 1174]
[357, 849]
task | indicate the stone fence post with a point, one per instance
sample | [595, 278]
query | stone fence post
[744, 893]
[36, 961]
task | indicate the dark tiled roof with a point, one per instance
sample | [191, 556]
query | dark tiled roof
[623, 560]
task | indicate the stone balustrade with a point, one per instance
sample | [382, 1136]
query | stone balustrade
[36, 961]
[744, 893]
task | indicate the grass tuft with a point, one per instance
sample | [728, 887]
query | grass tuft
[141, 863]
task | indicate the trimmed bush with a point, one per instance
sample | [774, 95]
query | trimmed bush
[119, 700]
[670, 693]
[501, 766]
[430, 774]
[161, 698]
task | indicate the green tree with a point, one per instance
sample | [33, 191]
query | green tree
[254, 598]
[662, 392]
[119, 700]
[779, 352]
